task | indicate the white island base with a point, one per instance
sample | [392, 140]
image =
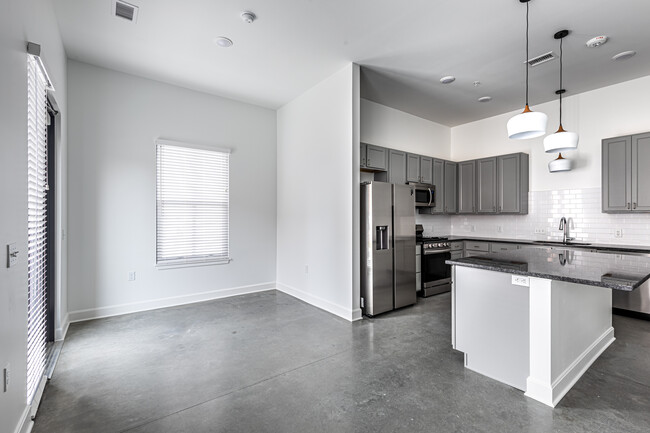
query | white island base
[539, 337]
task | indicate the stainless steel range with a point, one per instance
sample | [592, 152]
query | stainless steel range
[436, 274]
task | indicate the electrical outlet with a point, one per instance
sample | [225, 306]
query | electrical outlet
[132, 276]
[519, 280]
[6, 378]
[540, 231]
[499, 229]
[472, 228]
[618, 233]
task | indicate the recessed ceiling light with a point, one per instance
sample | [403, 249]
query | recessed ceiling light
[248, 17]
[624, 55]
[448, 79]
[223, 42]
[597, 41]
[485, 99]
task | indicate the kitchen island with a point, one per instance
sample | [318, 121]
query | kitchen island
[537, 318]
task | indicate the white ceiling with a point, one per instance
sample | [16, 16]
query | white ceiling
[404, 48]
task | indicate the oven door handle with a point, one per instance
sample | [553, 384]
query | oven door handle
[427, 253]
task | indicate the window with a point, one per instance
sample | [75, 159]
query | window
[37, 121]
[192, 204]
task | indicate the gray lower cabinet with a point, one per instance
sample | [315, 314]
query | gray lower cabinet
[426, 170]
[486, 188]
[512, 183]
[364, 149]
[396, 167]
[466, 187]
[625, 174]
[456, 255]
[412, 167]
[450, 196]
[376, 157]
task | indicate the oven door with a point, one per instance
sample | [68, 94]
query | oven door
[435, 272]
[423, 197]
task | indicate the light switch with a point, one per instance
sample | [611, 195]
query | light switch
[12, 255]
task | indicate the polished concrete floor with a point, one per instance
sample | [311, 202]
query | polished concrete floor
[269, 363]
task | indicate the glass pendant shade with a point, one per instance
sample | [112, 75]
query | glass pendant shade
[561, 141]
[529, 124]
[559, 164]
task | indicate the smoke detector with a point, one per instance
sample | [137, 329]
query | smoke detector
[248, 17]
[125, 10]
[597, 41]
[448, 79]
[624, 55]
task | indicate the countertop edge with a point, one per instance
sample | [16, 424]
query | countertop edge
[622, 287]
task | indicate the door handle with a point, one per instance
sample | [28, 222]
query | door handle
[633, 205]
[628, 205]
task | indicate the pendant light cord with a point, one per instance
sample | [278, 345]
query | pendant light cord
[561, 88]
[526, 63]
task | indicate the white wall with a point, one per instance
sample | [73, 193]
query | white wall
[22, 21]
[114, 120]
[388, 127]
[316, 194]
[607, 112]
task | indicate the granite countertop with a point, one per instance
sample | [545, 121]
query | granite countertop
[615, 271]
[642, 249]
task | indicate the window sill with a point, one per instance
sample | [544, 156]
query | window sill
[190, 264]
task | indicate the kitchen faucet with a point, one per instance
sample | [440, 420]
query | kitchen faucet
[564, 225]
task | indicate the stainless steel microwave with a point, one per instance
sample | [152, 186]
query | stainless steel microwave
[425, 195]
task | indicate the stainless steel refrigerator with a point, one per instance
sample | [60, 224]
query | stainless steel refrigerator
[387, 247]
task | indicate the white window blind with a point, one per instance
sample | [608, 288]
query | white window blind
[192, 204]
[37, 117]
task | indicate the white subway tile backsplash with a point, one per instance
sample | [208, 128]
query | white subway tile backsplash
[546, 208]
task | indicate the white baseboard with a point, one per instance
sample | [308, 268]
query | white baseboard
[330, 307]
[551, 395]
[60, 333]
[25, 424]
[117, 310]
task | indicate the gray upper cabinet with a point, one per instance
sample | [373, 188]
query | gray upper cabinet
[450, 196]
[641, 172]
[412, 168]
[376, 157]
[486, 189]
[466, 186]
[426, 170]
[512, 183]
[438, 182]
[396, 167]
[626, 178]
[362, 158]
[617, 177]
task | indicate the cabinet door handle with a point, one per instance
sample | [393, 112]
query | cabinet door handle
[634, 205]
[628, 205]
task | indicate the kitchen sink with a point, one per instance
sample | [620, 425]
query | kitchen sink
[561, 243]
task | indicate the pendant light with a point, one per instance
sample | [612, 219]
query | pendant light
[559, 164]
[561, 141]
[528, 124]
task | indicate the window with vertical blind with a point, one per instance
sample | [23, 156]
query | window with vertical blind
[192, 204]
[37, 119]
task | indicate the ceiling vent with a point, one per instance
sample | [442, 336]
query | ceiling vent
[535, 61]
[125, 10]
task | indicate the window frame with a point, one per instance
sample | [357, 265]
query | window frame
[190, 261]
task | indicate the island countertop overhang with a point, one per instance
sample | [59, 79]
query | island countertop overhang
[623, 272]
